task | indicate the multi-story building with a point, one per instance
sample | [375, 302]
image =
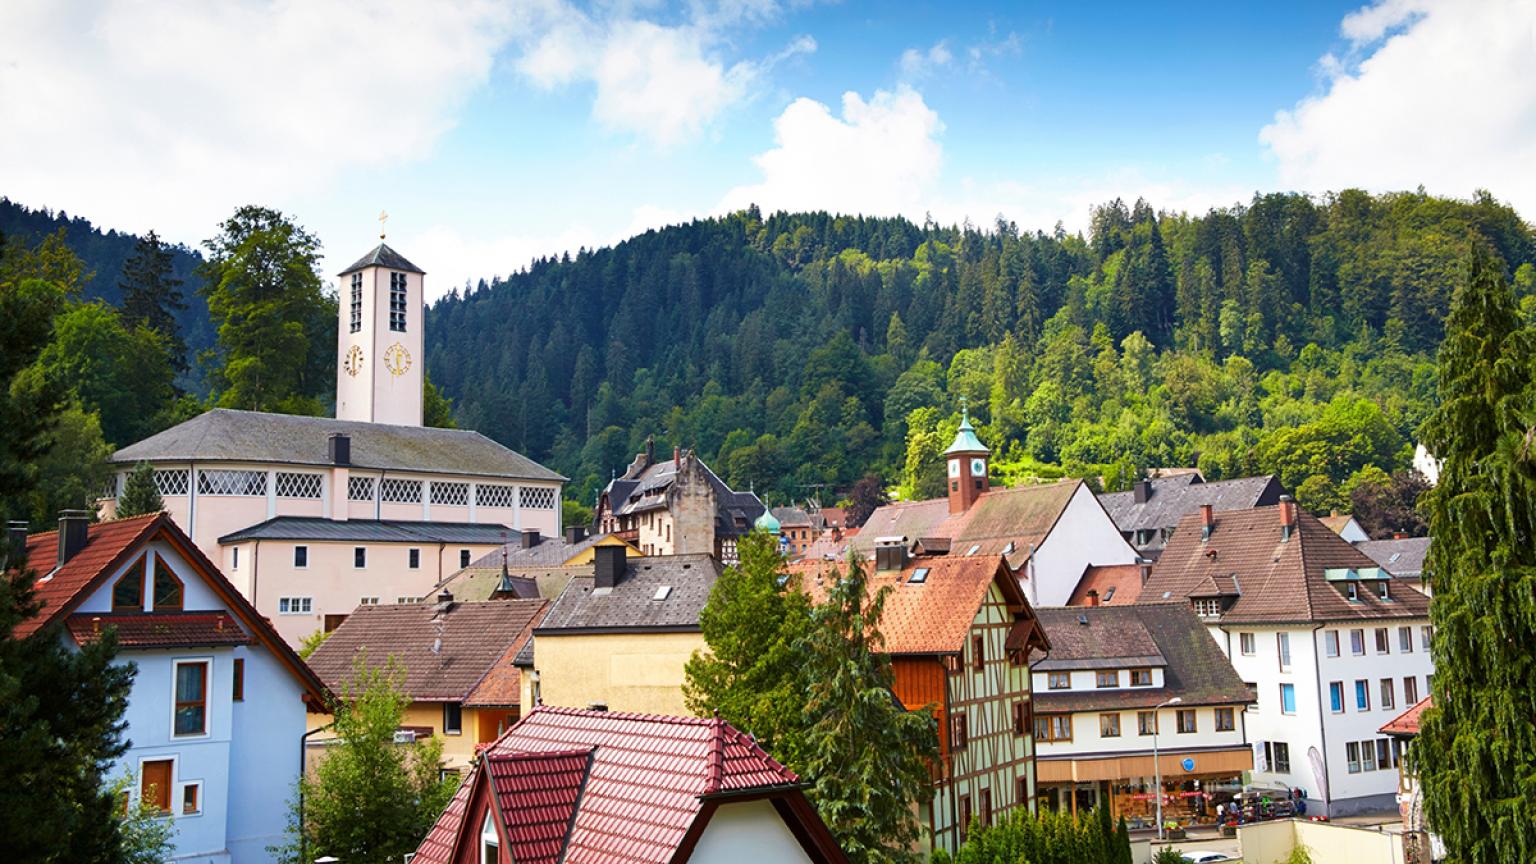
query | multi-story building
[961, 636]
[217, 709]
[457, 662]
[226, 472]
[1131, 695]
[1330, 642]
[1149, 512]
[675, 507]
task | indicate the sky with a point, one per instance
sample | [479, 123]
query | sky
[496, 132]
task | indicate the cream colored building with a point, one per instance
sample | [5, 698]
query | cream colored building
[676, 506]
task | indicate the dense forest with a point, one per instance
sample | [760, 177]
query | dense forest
[799, 352]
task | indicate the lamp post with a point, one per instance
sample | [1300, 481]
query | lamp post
[1157, 767]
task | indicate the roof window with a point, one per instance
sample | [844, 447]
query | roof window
[918, 576]
[972, 550]
[662, 592]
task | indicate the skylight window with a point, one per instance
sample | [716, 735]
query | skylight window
[972, 550]
[1109, 594]
[662, 592]
[919, 575]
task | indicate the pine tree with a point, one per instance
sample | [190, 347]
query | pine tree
[140, 494]
[152, 295]
[868, 757]
[1476, 753]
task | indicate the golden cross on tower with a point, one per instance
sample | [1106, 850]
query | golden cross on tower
[383, 217]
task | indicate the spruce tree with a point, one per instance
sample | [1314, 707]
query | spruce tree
[152, 295]
[1476, 753]
[140, 494]
[868, 757]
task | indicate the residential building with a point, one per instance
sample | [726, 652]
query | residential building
[547, 563]
[960, 634]
[1117, 584]
[582, 787]
[798, 529]
[313, 572]
[1120, 679]
[1049, 533]
[1403, 557]
[457, 663]
[1345, 526]
[620, 637]
[217, 709]
[1332, 644]
[225, 471]
[1420, 844]
[675, 507]
[1151, 510]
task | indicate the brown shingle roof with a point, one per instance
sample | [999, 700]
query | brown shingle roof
[1194, 668]
[1276, 580]
[1019, 517]
[475, 639]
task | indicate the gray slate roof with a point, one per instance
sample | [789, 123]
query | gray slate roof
[629, 605]
[1173, 497]
[1194, 667]
[735, 512]
[368, 531]
[225, 434]
[1402, 558]
[383, 256]
[549, 552]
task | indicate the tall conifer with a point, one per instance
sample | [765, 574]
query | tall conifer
[152, 294]
[1477, 751]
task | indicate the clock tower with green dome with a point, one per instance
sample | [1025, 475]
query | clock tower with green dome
[967, 458]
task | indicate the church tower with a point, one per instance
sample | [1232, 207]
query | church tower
[379, 340]
[967, 458]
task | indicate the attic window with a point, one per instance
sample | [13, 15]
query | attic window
[1109, 594]
[1352, 591]
[1208, 608]
[1383, 591]
[918, 576]
[972, 550]
[662, 592]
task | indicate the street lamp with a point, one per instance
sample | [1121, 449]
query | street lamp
[1157, 767]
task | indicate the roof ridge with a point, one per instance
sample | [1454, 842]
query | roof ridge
[673, 719]
[126, 519]
[716, 756]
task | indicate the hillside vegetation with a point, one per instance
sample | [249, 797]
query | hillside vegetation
[800, 352]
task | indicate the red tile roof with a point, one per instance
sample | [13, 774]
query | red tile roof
[159, 629]
[1117, 584]
[647, 778]
[107, 544]
[1407, 723]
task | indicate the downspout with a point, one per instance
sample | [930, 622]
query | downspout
[255, 565]
[949, 759]
[1322, 723]
[303, 767]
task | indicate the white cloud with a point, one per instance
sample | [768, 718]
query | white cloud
[1435, 93]
[661, 83]
[882, 156]
[917, 64]
[167, 114]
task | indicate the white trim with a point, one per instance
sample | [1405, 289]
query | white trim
[180, 799]
[296, 548]
[176, 664]
[136, 791]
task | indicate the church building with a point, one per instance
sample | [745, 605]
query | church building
[311, 517]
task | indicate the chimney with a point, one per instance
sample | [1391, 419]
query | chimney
[16, 533]
[1396, 535]
[339, 449]
[445, 597]
[677, 457]
[575, 534]
[1207, 521]
[74, 526]
[608, 566]
[1287, 517]
[1146, 568]
[1141, 491]
[1093, 597]
[890, 554]
[530, 538]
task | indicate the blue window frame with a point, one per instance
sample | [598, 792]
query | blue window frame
[1288, 698]
[1336, 697]
[1363, 695]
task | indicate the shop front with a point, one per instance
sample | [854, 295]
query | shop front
[1193, 784]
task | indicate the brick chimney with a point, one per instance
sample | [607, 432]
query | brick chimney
[1287, 517]
[1093, 597]
[1207, 521]
[74, 529]
[677, 457]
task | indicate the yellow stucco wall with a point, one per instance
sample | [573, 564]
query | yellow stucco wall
[586, 555]
[625, 671]
[458, 750]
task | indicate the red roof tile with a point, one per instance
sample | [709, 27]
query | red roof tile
[1407, 723]
[159, 629]
[1116, 584]
[646, 780]
[106, 544]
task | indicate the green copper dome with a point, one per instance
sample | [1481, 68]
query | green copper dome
[965, 439]
[767, 523]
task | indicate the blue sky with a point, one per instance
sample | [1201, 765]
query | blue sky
[494, 131]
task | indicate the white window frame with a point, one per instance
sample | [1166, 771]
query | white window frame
[136, 791]
[296, 564]
[1330, 643]
[489, 836]
[181, 798]
[208, 691]
[1247, 644]
[1283, 649]
[308, 602]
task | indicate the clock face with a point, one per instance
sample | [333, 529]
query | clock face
[354, 362]
[978, 468]
[954, 467]
[397, 360]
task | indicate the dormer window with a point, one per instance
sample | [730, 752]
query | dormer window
[1208, 607]
[1383, 591]
[1141, 677]
[1058, 680]
[1352, 592]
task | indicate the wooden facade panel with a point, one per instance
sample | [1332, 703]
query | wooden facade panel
[919, 682]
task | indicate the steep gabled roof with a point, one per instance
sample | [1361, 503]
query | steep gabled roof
[1011, 522]
[645, 780]
[1175, 497]
[227, 435]
[1194, 669]
[446, 653]
[1275, 580]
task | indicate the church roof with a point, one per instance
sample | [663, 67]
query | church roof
[227, 435]
[383, 256]
[965, 438]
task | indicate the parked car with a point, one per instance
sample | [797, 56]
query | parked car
[1207, 857]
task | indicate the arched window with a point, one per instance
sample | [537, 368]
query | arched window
[168, 593]
[128, 591]
[490, 841]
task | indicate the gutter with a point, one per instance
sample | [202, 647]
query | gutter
[303, 754]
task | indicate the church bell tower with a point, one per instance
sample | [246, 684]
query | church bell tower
[379, 340]
[968, 469]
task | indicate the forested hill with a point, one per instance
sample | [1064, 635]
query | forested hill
[103, 253]
[1294, 335]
